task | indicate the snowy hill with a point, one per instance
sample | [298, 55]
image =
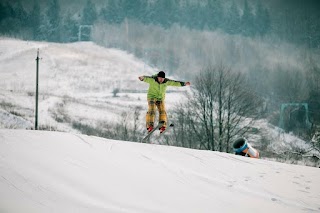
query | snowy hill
[68, 69]
[76, 83]
[75, 78]
[76, 92]
[61, 172]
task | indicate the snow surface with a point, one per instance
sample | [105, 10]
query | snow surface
[44, 171]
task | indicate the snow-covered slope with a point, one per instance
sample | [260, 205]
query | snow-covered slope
[68, 69]
[76, 78]
[62, 172]
[76, 82]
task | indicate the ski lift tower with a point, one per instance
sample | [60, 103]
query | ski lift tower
[285, 105]
[80, 31]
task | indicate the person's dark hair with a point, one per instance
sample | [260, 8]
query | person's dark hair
[161, 74]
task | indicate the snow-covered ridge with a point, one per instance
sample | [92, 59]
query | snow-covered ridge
[68, 69]
[62, 172]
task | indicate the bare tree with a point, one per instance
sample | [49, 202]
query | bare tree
[235, 104]
[122, 127]
[202, 104]
[186, 133]
[223, 82]
[218, 109]
[240, 109]
[196, 117]
[136, 121]
[115, 92]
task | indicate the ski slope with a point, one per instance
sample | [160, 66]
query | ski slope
[62, 172]
[76, 81]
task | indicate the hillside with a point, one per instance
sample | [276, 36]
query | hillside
[68, 69]
[76, 93]
[76, 84]
[61, 172]
[75, 79]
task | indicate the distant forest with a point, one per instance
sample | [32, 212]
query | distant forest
[57, 21]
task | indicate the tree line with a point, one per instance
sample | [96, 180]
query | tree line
[48, 22]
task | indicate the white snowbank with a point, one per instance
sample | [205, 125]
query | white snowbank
[61, 172]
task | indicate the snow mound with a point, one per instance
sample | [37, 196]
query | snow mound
[8, 120]
[61, 172]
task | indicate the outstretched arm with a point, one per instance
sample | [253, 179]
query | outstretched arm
[177, 83]
[142, 78]
[147, 79]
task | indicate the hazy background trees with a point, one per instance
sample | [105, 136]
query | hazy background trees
[293, 21]
[273, 47]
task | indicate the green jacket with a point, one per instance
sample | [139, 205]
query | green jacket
[157, 90]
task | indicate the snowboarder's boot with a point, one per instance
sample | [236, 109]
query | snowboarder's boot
[150, 128]
[162, 129]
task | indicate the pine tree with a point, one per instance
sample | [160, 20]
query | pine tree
[50, 26]
[247, 21]
[113, 13]
[70, 28]
[19, 12]
[151, 13]
[13, 18]
[103, 14]
[2, 12]
[232, 20]
[141, 10]
[165, 12]
[193, 20]
[131, 8]
[214, 14]
[89, 14]
[6, 12]
[182, 13]
[262, 20]
[35, 20]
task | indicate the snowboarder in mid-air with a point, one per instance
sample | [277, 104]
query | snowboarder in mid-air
[156, 96]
